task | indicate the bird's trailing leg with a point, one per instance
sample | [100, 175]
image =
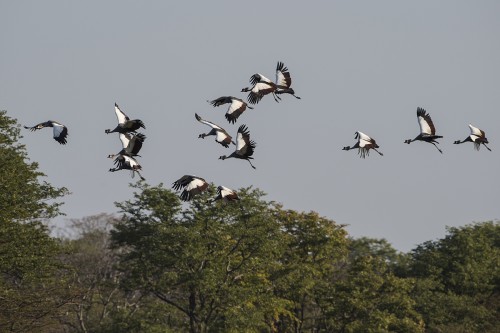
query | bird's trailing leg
[436, 146]
[484, 144]
[251, 164]
[276, 97]
[378, 152]
[133, 174]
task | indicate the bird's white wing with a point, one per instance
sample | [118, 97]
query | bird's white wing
[280, 79]
[235, 105]
[122, 117]
[240, 142]
[224, 191]
[220, 136]
[424, 126]
[260, 86]
[125, 139]
[196, 182]
[129, 160]
[208, 123]
[57, 129]
[264, 79]
[475, 131]
[363, 136]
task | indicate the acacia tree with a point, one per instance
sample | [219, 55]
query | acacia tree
[210, 262]
[32, 278]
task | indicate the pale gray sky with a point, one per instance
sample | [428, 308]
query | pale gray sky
[358, 65]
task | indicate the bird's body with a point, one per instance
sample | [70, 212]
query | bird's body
[59, 131]
[131, 144]
[364, 144]
[477, 136]
[226, 194]
[125, 162]
[261, 86]
[221, 136]
[125, 125]
[236, 107]
[427, 129]
[192, 186]
[244, 146]
[283, 81]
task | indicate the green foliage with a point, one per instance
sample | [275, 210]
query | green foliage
[209, 262]
[32, 279]
[313, 247]
[365, 296]
[458, 279]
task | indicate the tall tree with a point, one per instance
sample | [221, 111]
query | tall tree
[364, 295]
[458, 279]
[210, 262]
[314, 246]
[32, 278]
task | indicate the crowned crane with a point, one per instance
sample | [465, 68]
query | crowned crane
[427, 129]
[261, 86]
[124, 162]
[226, 194]
[244, 146]
[59, 131]
[192, 186]
[236, 107]
[283, 81]
[364, 144]
[477, 136]
[125, 125]
[221, 135]
[131, 144]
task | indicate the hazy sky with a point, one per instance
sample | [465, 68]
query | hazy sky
[358, 65]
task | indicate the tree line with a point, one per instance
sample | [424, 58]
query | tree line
[253, 266]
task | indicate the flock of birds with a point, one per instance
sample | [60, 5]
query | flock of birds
[191, 185]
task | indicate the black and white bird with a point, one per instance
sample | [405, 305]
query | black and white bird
[192, 186]
[244, 146]
[221, 136]
[427, 129]
[125, 125]
[124, 162]
[283, 81]
[59, 131]
[261, 86]
[236, 107]
[226, 194]
[477, 136]
[131, 144]
[364, 144]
